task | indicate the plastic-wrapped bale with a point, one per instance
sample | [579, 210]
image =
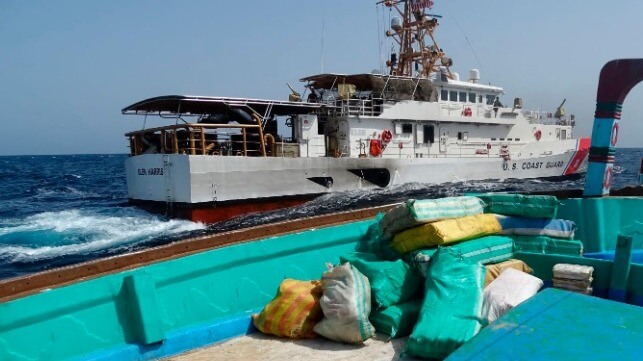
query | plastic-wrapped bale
[548, 245]
[373, 242]
[494, 270]
[490, 249]
[445, 232]
[520, 205]
[450, 313]
[416, 212]
[573, 277]
[397, 320]
[523, 226]
[346, 304]
[392, 282]
[507, 291]
[293, 312]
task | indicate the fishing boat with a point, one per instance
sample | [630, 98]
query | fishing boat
[417, 121]
[166, 300]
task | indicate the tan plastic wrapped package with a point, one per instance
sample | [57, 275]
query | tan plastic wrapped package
[494, 270]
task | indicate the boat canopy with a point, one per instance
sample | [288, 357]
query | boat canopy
[199, 105]
[395, 87]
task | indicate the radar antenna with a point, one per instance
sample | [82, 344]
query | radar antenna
[414, 33]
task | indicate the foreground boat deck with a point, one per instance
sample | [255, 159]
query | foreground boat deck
[258, 346]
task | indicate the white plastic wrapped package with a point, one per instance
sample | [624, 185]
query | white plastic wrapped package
[507, 291]
[346, 304]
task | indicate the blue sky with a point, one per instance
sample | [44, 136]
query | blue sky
[67, 67]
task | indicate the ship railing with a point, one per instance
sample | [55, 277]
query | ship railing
[356, 106]
[536, 117]
[202, 139]
[470, 150]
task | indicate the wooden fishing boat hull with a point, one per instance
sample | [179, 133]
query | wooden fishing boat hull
[164, 301]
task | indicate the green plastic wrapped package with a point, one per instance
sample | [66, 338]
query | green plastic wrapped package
[520, 205]
[485, 250]
[374, 242]
[451, 311]
[397, 320]
[548, 245]
[392, 282]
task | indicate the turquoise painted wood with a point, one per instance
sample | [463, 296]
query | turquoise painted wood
[621, 268]
[560, 325]
[113, 317]
[599, 220]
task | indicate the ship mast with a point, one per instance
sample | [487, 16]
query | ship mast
[414, 33]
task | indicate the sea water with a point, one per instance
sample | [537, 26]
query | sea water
[63, 209]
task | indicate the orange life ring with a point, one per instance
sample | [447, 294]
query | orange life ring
[614, 137]
[607, 178]
[375, 147]
[387, 136]
[538, 134]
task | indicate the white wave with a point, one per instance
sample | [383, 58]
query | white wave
[98, 232]
[65, 192]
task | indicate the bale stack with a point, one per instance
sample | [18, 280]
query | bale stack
[573, 277]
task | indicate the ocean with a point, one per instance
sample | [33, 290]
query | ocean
[63, 209]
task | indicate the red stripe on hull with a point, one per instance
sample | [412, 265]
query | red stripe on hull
[218, 212]
[579, 156]
[225, 212]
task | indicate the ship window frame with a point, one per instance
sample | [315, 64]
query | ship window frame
[516, 139]
[490, 98]
[407, 128]
[472, 97]
[453, 95]
[462, 97]
[444, 95]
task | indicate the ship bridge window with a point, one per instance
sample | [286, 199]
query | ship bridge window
[453, 96]
[463, 97]
[472, 97]
[407, 128]
[444, 95]
[490, 99]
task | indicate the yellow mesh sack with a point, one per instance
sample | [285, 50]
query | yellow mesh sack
[293, 312]
[445, 232]
[494, 270]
